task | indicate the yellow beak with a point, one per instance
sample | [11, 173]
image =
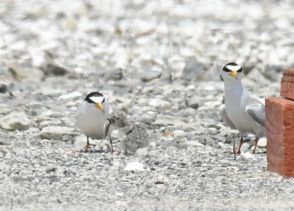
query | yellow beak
[234, 74]
[100, 106]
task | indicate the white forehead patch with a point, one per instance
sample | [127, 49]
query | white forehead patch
[233, 67]
[97, 99]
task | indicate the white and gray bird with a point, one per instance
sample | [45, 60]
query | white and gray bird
[242, 111]
[132, 136]
[91, 117]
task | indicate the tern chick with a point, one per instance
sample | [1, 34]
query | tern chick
[91, 117]
[242, 111]
[132, 136]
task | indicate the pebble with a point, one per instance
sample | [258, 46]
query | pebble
[150, 74]
[135, 166]
[262, 142]
[70, 96]
[114, 75]
[247, 156]
[159, 103]
[3, 88]
[15, 121]
[192, 102]
[55, 69]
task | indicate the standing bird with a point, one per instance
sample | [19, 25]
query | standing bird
[242, 111]
[132, 136]
[91, 117]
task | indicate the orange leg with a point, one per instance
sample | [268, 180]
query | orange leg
[255, 144]
[240, 145]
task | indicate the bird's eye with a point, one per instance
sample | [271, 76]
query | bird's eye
[103, 100]
[240, 70]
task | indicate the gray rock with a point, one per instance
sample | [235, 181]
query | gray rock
[56, 132]
[150, 73]
[3, 88]
[192, 102]
[193, 69]
[55, 69]
[15, 121]
[114, 75]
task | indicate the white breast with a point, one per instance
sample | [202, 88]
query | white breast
[90, 120]
[236, 112]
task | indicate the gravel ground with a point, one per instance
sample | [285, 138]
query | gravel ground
[158, 61]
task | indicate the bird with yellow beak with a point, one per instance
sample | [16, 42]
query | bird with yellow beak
[91, 117]
[241, 111]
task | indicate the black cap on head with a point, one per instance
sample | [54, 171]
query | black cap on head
[228, 67]
[93, 94]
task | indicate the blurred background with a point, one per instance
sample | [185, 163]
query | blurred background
[145, 39]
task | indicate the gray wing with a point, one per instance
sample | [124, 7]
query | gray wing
[106, 128]
[257, 113]
[225, 117]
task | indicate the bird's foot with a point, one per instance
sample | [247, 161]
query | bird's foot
[88, 147]
[238, 152]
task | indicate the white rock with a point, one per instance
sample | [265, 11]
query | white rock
[72, 95]
[159, 103]
[247, 156]
[135, 166]
[262, 142]
[142, 152]
[56, 132]
[15, 121]
[178, 133]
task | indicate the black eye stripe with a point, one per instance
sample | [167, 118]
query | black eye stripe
[226, 69]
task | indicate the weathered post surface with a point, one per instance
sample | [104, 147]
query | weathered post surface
[280, 128]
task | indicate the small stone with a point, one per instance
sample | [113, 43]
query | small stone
[3, 88]
[247, 156]
[142, 152]
[159, 103]
[262, 142]
[212, 131]
[192, 102]
[69, 96]
[54, 69]
[178, 133]
[114, 75]
[193, 69]
[56, 132]
[161, 179]
[135, 166]
[15, 121]
[150, 74]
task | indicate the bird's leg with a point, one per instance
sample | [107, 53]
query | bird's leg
[88, 145]
[255, 144]
[86, 148]
[111, 144]
[234, 149]
[240, 145]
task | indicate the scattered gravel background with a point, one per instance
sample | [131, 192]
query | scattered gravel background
[159, 61]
